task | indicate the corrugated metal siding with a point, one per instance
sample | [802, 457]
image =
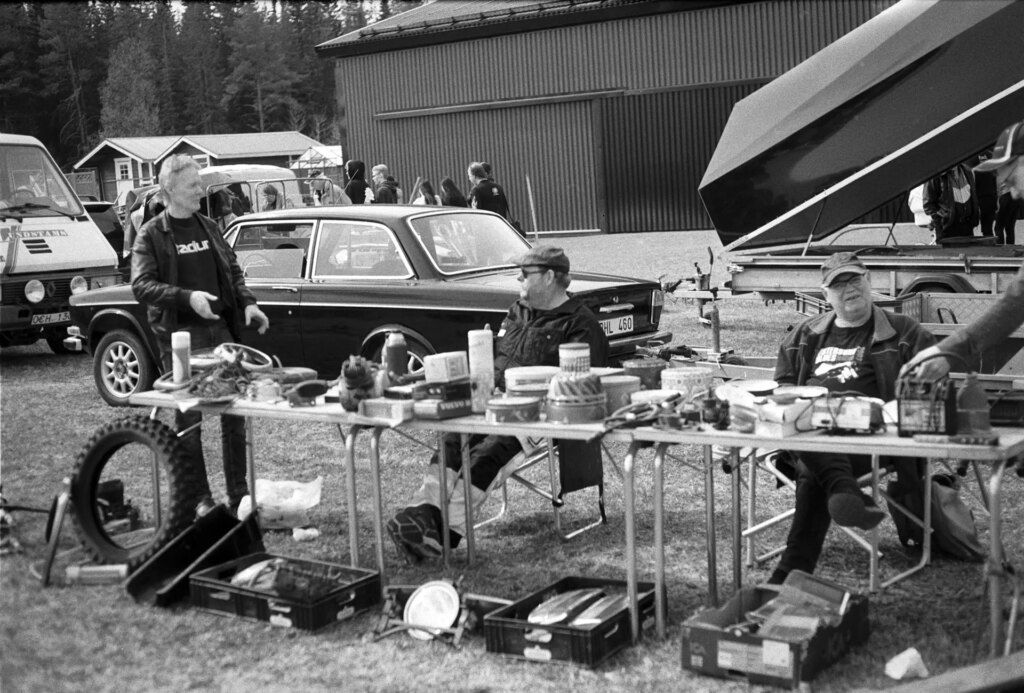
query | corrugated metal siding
[656, 149]
[552, 144]
[689, 50]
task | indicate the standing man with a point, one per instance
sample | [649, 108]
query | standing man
[857, 348]
[485, 193]
[952, 203]
[386, 190]
[544, 317]
[996, 323]
[189, 279]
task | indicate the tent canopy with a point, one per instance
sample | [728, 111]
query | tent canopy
[320, 157]
[916, 89]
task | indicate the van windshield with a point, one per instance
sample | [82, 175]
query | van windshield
[31, 184]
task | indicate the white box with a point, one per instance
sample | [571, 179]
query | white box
[450, 365]
[386, 408]
[783, 420]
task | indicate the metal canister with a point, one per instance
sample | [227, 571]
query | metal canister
[574, 357]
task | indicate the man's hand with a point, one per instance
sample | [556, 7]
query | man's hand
[200, 303]
[253, 312]
[933, 368]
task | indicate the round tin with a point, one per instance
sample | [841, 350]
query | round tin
[574, 357]
[576, 412]
[693, 381]
[619, 388]
[647, 369]
[435, 604]
[513, 409]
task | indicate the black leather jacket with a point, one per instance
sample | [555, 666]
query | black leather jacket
[155, 277]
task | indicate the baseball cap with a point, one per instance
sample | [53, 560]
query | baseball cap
[546, 256]
[1009, 146]
[841, 263]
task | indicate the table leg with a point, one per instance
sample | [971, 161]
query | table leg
[350, 481]
[873, 580]
[709, 525]
[467, 486]
[627, 501]
[995, 559]
[442, 480]
[250, 463]
[659, 539]
[750, 548]
[737, 522]
[378, 503]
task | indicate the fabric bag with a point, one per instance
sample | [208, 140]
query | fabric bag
[953, 529]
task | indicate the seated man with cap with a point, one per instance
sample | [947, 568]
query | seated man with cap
[544, 317]
[855, 349]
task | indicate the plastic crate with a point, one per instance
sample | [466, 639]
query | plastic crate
[909, 305]
[506, 629]
[357, 590]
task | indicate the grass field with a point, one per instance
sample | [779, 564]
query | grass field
[77, 638]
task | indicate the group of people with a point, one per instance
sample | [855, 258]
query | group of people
[189, 279]
[383, 188]
[956, 201]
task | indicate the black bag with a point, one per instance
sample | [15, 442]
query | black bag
[953, 529]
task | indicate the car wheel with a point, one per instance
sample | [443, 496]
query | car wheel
[131, 491]
[122, 367]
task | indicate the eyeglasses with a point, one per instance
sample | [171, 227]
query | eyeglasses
[841, 284]
[523, 274]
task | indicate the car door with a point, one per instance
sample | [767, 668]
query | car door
[273, 257]
[360, 280]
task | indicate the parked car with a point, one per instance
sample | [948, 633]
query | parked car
[104, 215]
[335, 280]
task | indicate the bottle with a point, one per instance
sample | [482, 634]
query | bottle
[481, 368]
[181, 354]
[972, 407]
[396, 355]
[96, 574]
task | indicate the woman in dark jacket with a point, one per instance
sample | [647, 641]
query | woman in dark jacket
[356, 187]
[451, 196]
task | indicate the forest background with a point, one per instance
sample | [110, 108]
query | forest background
[75, 73]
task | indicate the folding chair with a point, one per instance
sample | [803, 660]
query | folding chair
[573, 465]
[767, 460]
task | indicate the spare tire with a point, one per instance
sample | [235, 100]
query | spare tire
[130, 491]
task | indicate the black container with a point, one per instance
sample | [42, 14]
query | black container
[510, 634]
[356, 591]
[214, 538]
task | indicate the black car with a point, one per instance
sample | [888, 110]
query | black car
[335, 280]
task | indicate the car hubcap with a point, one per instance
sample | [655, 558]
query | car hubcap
[121, 369]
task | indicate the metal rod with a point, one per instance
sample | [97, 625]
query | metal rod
[378, 505]
[467, 485]
[630, 510]
[737, 522]
[709, 525]
[350, 481]
[659, 539]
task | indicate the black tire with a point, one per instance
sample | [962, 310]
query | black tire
[55, 340]
[121, 366]
[129, 448]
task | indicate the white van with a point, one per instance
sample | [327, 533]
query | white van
[49, 246]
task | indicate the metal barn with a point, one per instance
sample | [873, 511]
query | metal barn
[603, 112]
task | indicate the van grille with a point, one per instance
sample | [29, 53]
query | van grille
[58, 290]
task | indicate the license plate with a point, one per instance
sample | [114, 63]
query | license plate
[52, 318]
[620, 325]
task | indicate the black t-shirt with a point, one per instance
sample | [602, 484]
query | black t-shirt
[197, 267]
[843, 363]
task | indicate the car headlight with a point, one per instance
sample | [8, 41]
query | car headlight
[79, 284]
[35, 291]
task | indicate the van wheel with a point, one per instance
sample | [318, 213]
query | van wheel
[122, 367]
[130, 491]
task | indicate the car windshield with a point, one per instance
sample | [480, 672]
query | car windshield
[465, 242]
[31, 184]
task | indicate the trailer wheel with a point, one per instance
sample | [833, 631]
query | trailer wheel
[130, 491]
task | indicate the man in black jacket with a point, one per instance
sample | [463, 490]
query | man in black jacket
[544, 317]
[189, 279]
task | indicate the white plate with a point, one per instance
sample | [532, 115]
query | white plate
[435, 603]
[802, 391]
[755, 387]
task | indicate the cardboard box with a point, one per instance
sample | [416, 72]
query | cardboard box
[440, 409]
[446, 391]
[384, 408]
[450, 365]
[783, 420]
[721, 642]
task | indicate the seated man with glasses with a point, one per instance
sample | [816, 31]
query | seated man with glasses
[544, 317]
[858, 349]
